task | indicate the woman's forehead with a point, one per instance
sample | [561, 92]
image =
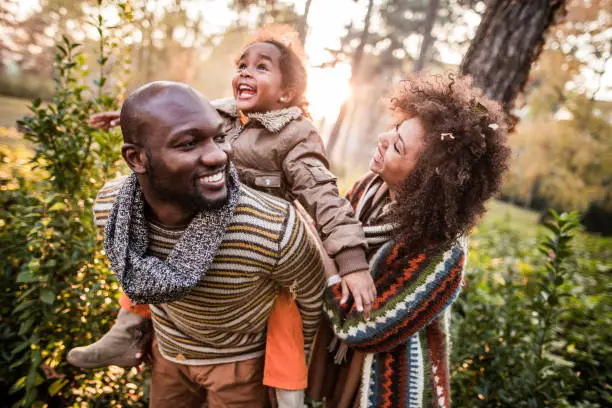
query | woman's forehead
[411, 128]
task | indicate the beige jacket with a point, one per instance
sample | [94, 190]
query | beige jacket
[281, 153]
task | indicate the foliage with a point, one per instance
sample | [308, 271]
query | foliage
[564, 146]
[57, 290]
[533, 325]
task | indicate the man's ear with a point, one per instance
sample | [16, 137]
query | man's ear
[135, 157]
[287, 96]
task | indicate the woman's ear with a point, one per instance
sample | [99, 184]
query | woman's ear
[135, 157]
[287, 95]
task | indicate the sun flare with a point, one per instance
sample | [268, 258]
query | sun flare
[327, 89]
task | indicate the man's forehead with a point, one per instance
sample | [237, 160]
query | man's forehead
[173, 108]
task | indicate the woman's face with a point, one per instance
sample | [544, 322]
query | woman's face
[398, 152]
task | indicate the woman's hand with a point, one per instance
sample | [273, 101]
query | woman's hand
[105, 120]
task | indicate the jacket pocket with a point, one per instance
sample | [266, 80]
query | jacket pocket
[319, 172]
[268, 182]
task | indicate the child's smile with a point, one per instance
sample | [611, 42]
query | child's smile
[246, 91]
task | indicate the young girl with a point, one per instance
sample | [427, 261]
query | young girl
[276, 149]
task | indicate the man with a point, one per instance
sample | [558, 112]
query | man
[209, 254]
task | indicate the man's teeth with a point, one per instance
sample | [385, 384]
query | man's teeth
[214, 178]
[245, 88]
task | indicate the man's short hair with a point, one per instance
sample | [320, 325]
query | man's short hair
[135, 118]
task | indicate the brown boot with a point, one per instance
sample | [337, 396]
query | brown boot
[121, 346]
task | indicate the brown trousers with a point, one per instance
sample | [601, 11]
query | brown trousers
[238, 384]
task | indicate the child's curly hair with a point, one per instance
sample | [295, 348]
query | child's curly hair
[292, 58]
[462, 165]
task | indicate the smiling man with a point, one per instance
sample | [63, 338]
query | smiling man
[207, 253]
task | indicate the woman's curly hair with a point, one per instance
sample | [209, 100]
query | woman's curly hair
[465, 157]
[291, 61]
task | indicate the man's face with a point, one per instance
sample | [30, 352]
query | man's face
[187, 153]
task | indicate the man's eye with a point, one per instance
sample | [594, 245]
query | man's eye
[396, 147]
[189, 144]
[262, 67]
[241, 66]
[220, 139]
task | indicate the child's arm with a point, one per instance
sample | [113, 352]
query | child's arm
[306, 169]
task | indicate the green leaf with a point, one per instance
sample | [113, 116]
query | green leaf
[17, 385]
[58, 207]
[20, 348]
[57, 385]
[26, 293]
[22, 306]
[47, 296]
[26, 326]
[26, 277]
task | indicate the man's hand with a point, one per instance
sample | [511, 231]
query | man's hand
[361, 286]
[105, 120]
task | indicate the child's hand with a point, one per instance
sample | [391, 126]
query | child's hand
[361, 286]
[105, 120]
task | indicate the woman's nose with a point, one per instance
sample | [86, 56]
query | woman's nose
[384, 139]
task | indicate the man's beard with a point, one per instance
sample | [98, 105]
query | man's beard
[190, 201]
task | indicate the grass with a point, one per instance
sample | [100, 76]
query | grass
[517, 217]
[12, 109]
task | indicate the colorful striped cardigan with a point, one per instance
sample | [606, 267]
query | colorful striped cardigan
[407, 337]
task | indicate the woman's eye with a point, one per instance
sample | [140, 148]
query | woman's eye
[396, 147]
[241, 66]
[262, 67]
[220, 139]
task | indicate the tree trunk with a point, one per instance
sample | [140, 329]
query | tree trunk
[303, 28]
[508, 40]
[428, 40]
[355, 68]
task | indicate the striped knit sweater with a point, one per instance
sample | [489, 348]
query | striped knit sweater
[224, 318]
[407, 337]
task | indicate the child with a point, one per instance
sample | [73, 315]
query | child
[276, 149]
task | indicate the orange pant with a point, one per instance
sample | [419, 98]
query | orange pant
[285, 362]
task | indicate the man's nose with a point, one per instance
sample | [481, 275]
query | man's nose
[245, 72]
[215, 155]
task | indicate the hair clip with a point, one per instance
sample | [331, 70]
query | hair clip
[444, 135]
[494, 126]
[480, 108]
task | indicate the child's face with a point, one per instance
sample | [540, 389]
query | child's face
[257, 83]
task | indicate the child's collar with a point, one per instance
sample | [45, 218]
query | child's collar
[273, 121]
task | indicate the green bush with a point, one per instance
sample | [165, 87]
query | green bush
[533, 326]
[58, 292]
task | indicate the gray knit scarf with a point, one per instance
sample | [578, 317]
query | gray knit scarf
[148, 279]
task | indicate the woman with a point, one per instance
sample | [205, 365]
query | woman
[430, 179]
